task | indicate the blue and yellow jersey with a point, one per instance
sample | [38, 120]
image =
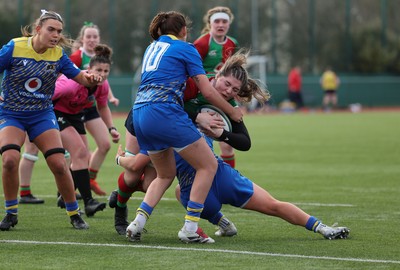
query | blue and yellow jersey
[29, 78]
[167, 63]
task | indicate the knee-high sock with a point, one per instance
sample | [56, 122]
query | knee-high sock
[143, 214]
[93, 173]
[72, 208]
[312, 224]
[124, 191]
[11, 206]
[24, 190]
[230, 160]
[82, 182]
[193, 212]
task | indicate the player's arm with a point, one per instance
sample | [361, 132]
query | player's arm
[87, 79]
[112, 99]
[105, 114]
[239, 138]
[132, 163]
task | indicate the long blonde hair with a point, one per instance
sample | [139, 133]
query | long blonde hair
[235, 67]
[210, 12]
[30, 30]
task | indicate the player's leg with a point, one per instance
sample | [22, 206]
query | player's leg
[26, 165]
[227, 154]
[263, 202]
[75, 143]
[11, 139]
[202, 159]
[97, 128]
[49, 143]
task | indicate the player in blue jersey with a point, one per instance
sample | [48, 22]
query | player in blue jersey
[229, 186]
[168, 62]
[31, 65]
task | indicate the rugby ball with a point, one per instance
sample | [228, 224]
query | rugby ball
[213, 109]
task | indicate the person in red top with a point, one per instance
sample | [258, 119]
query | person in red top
[295, 85]
[215, 47]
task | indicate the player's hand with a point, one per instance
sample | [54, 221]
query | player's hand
[120, 152]
[115, 135]
[214, 133]
[93, 79]
[209, 121]
[237, 115]
[114, 101]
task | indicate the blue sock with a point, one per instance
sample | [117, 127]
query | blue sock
[12, 207]
[72, 208]
[215, 219]
[312, 223]
[193, 211]
[145, 209]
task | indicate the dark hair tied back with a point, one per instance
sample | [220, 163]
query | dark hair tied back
[167, 23]
[102, 55]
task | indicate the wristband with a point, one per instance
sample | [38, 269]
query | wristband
[111, 128]
[117, 160]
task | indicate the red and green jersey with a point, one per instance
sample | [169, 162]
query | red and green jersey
[193, 99]
[215, 54]
[80, 59]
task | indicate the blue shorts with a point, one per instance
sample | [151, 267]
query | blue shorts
[229, 187]
[159, 126]
[33, 122]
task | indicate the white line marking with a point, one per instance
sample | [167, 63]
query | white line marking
[325, 204]
[207, 250]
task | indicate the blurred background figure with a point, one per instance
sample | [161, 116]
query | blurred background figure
[294, 87]
[330, 83]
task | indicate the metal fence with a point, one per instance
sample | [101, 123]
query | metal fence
[310, 33]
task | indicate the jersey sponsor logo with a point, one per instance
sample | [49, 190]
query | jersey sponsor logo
[25, 62]
[33, 84]
[51, 67]
[218, 67]
[54, 121]
[212, 53]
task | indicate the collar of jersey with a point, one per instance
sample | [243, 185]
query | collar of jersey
[172, 37]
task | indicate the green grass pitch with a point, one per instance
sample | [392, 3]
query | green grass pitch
[339, 167]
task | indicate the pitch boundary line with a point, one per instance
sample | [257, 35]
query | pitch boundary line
[240, 252]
